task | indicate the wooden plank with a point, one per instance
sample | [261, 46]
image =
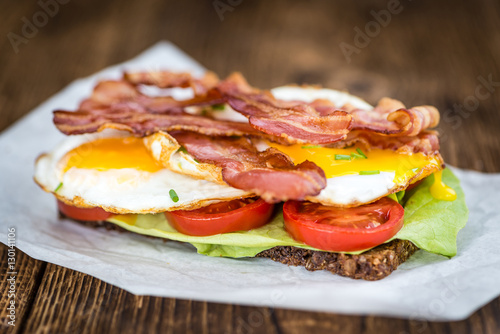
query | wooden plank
[29, 273]
[69, 301]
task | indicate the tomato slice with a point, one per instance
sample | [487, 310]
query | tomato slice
[225, 217]
[84, 214]
[343, 230]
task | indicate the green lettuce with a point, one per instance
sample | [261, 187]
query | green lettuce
[433, 224]
[429, 223]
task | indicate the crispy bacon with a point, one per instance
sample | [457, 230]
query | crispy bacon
[112, 93]
[269, 174]
[391, 117]
[166, 79]
[141, 122]
[297, 123]
[120, 105]
[426, 142]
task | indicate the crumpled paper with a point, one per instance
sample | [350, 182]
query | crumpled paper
[427, 286]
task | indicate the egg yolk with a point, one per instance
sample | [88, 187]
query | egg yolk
[112, 153]
[441, 191]
[338, 162]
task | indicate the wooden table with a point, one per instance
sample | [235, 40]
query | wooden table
[420, 51]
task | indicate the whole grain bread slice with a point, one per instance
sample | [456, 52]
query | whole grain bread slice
[372, 265]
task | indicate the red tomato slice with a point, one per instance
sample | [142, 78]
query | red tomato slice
[343, 230]
[225, 217]
[84, 214]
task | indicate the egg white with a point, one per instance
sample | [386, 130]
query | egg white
[125, 190]
[310, 93]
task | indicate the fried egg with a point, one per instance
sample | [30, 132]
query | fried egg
[124, 174]
[118, 173]
[353, 181]
[356, 177]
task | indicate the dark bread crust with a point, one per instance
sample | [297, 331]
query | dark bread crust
[371, 265]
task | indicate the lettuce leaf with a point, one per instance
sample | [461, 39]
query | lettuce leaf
[429, 223]
[236, 244]
[432, 224]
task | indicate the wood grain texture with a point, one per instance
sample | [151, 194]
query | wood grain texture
[429, 53]
[27, 280]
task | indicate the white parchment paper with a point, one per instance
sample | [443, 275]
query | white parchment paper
[427, 286]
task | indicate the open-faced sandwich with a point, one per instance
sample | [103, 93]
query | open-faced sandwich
[301, 175]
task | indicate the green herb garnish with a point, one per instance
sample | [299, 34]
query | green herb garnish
[369, 172]
[59, 186]
[357, 156]
[173, 195]
[361, 153]
[218, 107]
[342, 157]
[311, 146]
[182, 149]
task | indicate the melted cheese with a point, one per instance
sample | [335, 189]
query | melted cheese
[112, 153]
[441, 191]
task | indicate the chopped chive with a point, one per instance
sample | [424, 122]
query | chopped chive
[173, 195]
[414, 170]
[342, 157]
[182, 149]
[218, 106]
[369, 172]
[356, 156]
[59, 186]
[311, 146]
[196, 160]
[361, 153]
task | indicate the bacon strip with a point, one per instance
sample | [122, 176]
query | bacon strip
[297, 123]
[166, 79]
[269, 174]
[426, 142]
[111, 92]
[141, 122]
[390, 117]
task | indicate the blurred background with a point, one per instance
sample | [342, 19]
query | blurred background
[418, 51]
[421, 52]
